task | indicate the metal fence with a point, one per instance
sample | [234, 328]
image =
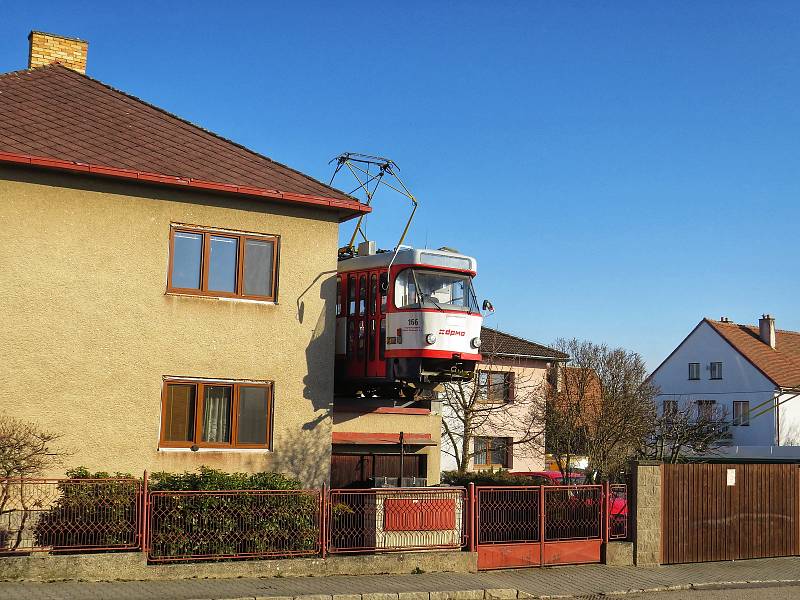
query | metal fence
[516, 514]
[70, 515]
[385, 520]
[617, 507]
[202, 525]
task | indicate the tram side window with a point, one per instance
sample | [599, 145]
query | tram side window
[362, 294]
[384, 287]
[338, 296]
[373, 294]
[351, 295]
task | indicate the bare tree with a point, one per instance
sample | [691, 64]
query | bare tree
[686, 428]
[25, 449]
[601, 407]
[504, 399]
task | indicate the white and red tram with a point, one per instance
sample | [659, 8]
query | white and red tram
[405, 320]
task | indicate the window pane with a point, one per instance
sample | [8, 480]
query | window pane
[187, 250]
[179, 413]
[222, 264]
[253, 413]
[480, 451]
[217, 414]
[498, 451]
[258, 256]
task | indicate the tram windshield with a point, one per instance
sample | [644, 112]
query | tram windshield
[428, 288]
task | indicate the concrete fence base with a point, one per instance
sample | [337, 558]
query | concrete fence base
[132, 566]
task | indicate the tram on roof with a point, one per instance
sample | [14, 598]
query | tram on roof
[405, 320]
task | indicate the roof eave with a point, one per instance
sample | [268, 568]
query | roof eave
[349, 208]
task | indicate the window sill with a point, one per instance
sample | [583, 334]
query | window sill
[202, 450]
[223, 298]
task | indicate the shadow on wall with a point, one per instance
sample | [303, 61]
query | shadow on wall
[306, 455]
[321, 349]
[306, 452]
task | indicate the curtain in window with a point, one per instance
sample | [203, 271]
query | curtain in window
[217, 414]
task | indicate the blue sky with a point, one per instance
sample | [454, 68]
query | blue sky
[620, 170]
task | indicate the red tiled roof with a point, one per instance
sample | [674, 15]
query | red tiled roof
[498, 343]
[76, 122]
[780, 364]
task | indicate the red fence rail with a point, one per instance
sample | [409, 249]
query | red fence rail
[394, 519]
[203, 525]
[518, 514]
[70, 515]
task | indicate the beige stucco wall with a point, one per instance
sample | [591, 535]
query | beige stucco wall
[87, 331]
[514, 419]
[391, 423]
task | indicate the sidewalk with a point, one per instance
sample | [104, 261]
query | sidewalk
[494, 585]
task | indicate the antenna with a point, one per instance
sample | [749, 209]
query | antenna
[370, 172]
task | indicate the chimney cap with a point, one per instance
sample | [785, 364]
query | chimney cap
[767, 316]
[724, 319]
[57, 35]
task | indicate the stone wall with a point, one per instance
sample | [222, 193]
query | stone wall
[645, 516]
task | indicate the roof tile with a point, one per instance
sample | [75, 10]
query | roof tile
[47, 109]
[498, 343]
[781, 364]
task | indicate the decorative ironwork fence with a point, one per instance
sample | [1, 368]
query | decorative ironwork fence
[618, 511]
[385, 520]
[202, 525]
[70, 515]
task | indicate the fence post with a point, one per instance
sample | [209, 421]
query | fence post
[542, 524]
[471, 518]
[145, 512]
[606, 511]
[324, 520]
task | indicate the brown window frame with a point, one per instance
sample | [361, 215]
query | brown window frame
[205, 253]
[507, 445]
[199, 399]
[507, 394]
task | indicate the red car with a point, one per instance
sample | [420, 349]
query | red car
[555, 477]
[619, 501]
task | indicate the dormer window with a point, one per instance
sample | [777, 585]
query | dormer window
[716, 370]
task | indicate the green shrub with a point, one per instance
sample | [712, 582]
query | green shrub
[101, 514]
[227, 525]
[491, 477]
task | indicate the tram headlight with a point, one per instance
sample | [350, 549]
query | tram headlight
[476, 342]
[430, 339]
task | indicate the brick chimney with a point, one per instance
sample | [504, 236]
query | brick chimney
[766, 330]
[48, 48]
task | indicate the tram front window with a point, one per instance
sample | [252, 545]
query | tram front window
[415, 288]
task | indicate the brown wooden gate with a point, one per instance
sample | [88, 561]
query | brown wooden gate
[729, 512]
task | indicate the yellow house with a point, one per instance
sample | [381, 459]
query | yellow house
[168, 295]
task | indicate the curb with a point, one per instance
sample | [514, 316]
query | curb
[515, 594]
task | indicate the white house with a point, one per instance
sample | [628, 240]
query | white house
[752, 373]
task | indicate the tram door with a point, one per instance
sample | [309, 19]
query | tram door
[376, 324]
[366, 324]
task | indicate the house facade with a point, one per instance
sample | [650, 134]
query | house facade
[509, 393]
[168, 294]
[748, 374]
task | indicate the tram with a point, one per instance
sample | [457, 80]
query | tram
[406, 320]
